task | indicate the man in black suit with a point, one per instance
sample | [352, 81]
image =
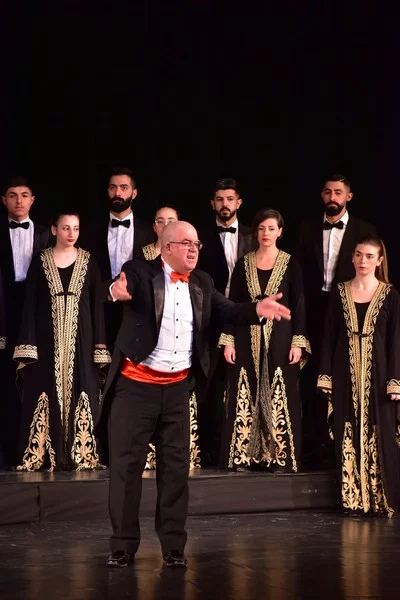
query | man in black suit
[163, 338]
[20, 238]
[117, 238]
[224, 241]
[324, 251]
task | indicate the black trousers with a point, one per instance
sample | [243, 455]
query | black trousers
[141, 411]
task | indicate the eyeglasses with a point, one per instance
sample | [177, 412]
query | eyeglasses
[187, 244]
[162, 221]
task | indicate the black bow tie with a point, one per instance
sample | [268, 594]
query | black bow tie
[15, 225]
[221, 229]
[117, 222]
[338, 224]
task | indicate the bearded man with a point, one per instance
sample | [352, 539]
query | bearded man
[117, 238]
[324, 250]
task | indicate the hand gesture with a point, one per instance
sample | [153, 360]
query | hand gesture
[119, 288]
[294, 355]
[269, 308]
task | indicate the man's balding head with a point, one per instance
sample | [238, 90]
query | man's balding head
[179, 246]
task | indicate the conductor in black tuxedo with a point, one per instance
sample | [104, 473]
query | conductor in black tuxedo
[162, 343]
[325, 248]
[20, 239]
[117, 237]
[225, 240]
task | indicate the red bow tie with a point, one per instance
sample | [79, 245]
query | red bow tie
[180, 277]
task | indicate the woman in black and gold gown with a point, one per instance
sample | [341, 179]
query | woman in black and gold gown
[262, 424]
[164, 215]
[60, 349]
[360, 375]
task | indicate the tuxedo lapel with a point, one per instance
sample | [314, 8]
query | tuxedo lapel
[159, 297]
[346, 247]
[196, 296]
[242, 250]
[317, 235]
[7, 261]
[40, 238]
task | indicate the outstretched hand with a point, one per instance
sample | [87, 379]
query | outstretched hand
[119, 288]
[270, 308]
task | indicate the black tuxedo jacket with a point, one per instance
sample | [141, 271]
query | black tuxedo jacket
[138, 334]
[14, 292]
[212, 258]
[94, 237]
[310, 254]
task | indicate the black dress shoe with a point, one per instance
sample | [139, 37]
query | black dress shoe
[174, 558]
[120, 559]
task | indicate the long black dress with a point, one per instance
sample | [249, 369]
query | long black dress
[360, 365]
[262, 406]
[61, 325]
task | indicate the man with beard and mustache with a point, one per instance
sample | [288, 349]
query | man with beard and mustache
[117, 238]
[224, 242]
[324, 250]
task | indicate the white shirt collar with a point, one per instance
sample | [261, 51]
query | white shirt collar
[28, 220]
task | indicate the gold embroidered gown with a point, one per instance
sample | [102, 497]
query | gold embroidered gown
[262, 422]
[59, 364]
[360, 365]
[149, 253]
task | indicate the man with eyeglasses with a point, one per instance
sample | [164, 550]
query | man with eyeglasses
[117, 238]
[161, 345]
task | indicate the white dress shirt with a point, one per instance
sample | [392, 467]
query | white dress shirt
[230, 243]
[22, 248]
[120, 243]
[332, 240]
[174, 345]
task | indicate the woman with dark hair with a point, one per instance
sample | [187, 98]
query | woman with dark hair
[360, 375]
[60, 349]
[262, 424]
[163, 216]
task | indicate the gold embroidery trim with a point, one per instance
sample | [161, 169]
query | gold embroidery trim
[281, 422]
[253, 286]
[379, 501]
[393, 386]
[26, 351]
[2, 342]
[226, 340]
[65, 326]
[324, 381]
[39, 439]
[300, 341]
[101, 356]
[329, 417]
[398, 435]
[83, 452]
[360, 359]
[149, 252]
[351, 482]
[242, 426]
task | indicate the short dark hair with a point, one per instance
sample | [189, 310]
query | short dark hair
[337, 177]
[226, 184]
[262, 215]
[17, 181]
[124, 171]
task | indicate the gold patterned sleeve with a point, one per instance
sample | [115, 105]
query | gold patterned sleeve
[300, 341]
[25, 353]
[101, 357]
[393, 386]
[324, 381]
[226, 340]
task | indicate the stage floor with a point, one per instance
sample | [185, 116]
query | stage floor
[69, 496]
[294, 555]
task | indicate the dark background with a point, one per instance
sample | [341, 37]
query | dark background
[275, 94]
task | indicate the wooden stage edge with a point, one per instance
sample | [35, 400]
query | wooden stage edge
[72, 496]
